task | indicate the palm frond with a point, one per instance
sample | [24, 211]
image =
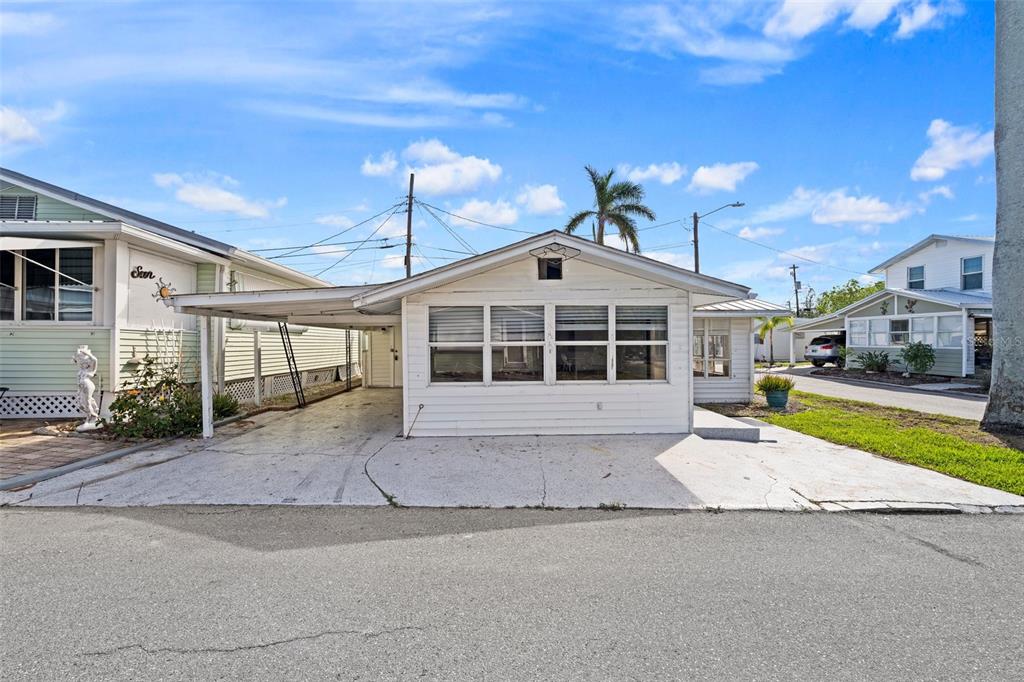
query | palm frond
[636, 209]
[577, 220]
[627, 230]
[626, 192]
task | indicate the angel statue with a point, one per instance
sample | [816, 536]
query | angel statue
[87, 365]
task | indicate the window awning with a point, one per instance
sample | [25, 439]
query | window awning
[25, 243]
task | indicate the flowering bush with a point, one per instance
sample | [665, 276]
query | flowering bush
[155, 404]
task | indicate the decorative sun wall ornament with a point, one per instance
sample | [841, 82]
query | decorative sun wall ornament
[911, 302]
[163, 289]
[555, 251]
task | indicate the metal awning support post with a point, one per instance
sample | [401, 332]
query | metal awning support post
[348, 359]
[792, 355]
[205, 385]
[257, 368]
[293, 366]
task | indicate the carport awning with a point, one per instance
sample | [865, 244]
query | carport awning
[831, 323]
[321, 307]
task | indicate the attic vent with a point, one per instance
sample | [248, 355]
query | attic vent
[17, 207]
[549, 268]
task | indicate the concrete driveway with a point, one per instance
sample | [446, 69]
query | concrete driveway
[346, 451]
[965, 406]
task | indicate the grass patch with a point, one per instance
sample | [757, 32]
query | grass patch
[953, 446]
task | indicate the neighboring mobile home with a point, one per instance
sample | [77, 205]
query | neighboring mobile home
[938, 291]
[550, 335]
[77, 271]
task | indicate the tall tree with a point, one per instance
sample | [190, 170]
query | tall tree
[1005, 411]
[842, 295]
[768, 325]
[616, 203]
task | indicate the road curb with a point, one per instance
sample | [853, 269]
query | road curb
[885, 384]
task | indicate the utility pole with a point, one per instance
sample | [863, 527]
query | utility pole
[409, 228]
[796, 287]
[696, 243]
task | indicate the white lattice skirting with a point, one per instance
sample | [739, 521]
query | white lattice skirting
[39, 406]
[245, 392]
[64, 405]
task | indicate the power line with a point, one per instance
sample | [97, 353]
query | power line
[449, 229]
[475, 222]
[348, 229]
[385, 222]
[330, 251]
[785, 253]
[292, 246]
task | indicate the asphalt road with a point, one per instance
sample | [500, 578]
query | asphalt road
[967, 407]
[360, 594]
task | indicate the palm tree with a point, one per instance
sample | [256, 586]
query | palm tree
[1006, 395]
[615, 203]
[767, 325]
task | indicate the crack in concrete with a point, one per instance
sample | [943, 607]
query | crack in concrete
[391, 499]
[366, 634]
[970, 561]
[770, 488]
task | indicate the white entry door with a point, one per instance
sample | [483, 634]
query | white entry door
[385, 362]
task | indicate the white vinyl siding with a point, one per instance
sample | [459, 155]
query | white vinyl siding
[549, 407]
[316, 348]
[942, 264]
[738, 387]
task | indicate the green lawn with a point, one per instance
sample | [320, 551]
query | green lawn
[957, 447]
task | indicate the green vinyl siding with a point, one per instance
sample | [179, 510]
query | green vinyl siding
[948, 361]
[206, 278]
[39, 359]
[52, 209]
[317, 347]
[169, 348]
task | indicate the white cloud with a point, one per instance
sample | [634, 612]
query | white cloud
[23, 126]
[868, 14]
[665, 173]
[335, 220]
[969, 218]
[441, 170]
[800, 203]
[384, 166]
[207, 193]
[26, 23]
[721, 176]
[926, 15]
[838, 207]
[797, 19]
[952, 147]
[940, 191]
[494, 213]
[738, 74]
[760, 232]
[540, 200]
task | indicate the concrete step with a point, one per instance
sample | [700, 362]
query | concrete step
[714, 426]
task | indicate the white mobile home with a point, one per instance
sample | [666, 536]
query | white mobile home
[550, 335]
[77, 271]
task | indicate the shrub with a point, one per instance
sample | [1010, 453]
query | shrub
[874, 360]
[155, 404]
[844, 356]
[224, 405]
[773, 382]
[919, 357]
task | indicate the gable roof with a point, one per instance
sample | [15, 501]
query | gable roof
[157, 227]
[606, 256]
[742, 307]
[950, 297]
[928, 241]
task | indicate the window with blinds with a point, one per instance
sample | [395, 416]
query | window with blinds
[641, 343]
[456, 337]
[17, 207]
[517, 343]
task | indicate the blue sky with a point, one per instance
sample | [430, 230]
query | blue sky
[850, 129]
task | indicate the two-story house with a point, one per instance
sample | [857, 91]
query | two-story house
[938, 291]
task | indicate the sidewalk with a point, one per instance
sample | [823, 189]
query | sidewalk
[24, 452]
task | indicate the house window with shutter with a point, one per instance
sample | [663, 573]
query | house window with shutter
[17, 207]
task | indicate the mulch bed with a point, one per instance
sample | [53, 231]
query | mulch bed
[881, 377]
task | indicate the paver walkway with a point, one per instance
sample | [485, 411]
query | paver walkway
[22, 451]
[966, 407]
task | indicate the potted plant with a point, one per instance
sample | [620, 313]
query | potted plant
[776, 389]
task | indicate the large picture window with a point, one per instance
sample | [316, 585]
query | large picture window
[47, 285]
[641, 343]
[581, 343]
[950, 332]
[517, 343]
[712, 349]
[922, 330]
[456, 338]
[858, 332]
